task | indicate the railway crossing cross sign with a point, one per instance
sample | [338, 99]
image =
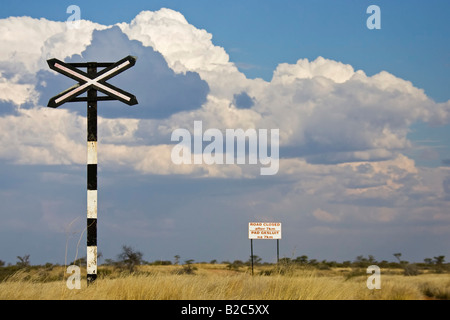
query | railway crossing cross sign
[92, 81]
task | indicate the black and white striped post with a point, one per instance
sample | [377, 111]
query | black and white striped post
[92, 81]
[91, 256]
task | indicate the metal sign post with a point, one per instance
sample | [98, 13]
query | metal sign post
[278, 250]
[91, 81]
[251, 252]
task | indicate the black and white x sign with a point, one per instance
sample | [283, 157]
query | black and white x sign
[98, 82]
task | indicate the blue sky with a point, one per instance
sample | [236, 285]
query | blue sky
[365, 159]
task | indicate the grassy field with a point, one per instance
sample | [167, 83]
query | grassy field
[217, 282]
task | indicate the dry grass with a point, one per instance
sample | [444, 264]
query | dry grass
[215, 282]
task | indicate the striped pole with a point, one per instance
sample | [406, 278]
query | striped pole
[91, 82]
[91, 257]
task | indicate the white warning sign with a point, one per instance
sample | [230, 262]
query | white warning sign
[264, 230]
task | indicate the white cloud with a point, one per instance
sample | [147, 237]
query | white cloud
[187, 48]
[26, 45]
[303, 69]
[184, 46]
[42, 136]
[333, 114]
[16, 93]
[27, 42]
[325, 110]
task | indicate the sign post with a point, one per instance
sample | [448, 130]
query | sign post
[91, 81]
[264, 231]
[251, 252]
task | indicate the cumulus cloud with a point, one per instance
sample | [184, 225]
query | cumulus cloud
[28, 42]
[187, 48]
[327, 112]
[15, 93]
[183, 45]
[303, 69]
[330, 113]
[41, 136]
[26, 45]
[160, 91]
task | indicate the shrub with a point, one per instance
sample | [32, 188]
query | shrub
[411, 270]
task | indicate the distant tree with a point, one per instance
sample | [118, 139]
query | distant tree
[235, 265]
[324, 265]
[256, 260]
[313, 262]
[383, 264]
[99, 255]
[362, 262]
[188, 268]
[302, 259]
[371, 259]
[214, 261]
[23, 261]
[130, 258]
[428, 260]
[80, 261]
[177, 259]
[411, 270]
[162, 263]
[49, 265]
[398, 255]
[439, 260]
[238, 262]
[346, 263]
[2, 263]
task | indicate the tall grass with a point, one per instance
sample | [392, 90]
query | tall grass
[219, 284]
